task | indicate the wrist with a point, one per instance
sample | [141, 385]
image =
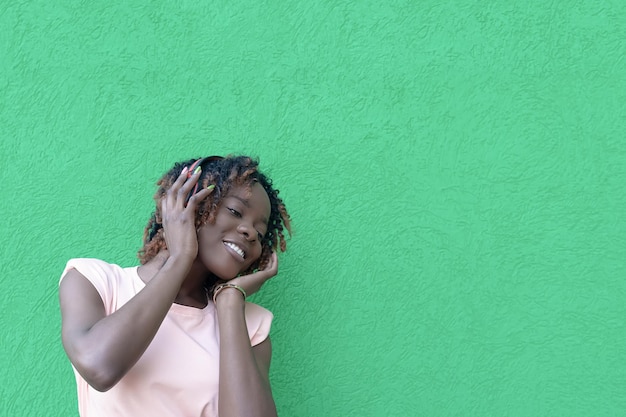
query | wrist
[179, 257]
[177, 266]
[228, 296]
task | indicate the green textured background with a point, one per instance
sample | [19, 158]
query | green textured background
[455, 173]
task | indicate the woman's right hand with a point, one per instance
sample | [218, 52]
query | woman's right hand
[179, 215]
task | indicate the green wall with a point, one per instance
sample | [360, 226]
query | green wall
[455, 173]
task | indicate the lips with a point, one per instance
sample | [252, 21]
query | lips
[236, 248]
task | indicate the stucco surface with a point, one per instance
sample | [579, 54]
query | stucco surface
[455, 172]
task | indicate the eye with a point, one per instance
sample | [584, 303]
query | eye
[260, 236]
[234, 212]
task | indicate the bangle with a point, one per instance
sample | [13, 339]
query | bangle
[221, 287]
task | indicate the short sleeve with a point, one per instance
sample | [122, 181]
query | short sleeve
[259, 322]
[99, 275]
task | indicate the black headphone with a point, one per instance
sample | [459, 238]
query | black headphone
[199, 163]
[156, 226]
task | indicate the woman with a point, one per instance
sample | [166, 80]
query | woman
[174, 336]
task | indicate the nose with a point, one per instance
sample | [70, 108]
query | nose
[247, 230]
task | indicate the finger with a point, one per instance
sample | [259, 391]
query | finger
[172, 195]
[273, 260]
[163, 207]
[271, 268]
[182, 177]
[186, 188]
[200, 196]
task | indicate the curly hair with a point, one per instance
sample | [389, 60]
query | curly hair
[224, 173]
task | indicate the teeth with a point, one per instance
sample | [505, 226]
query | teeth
[236, 249]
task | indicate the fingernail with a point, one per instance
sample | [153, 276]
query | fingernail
[210, 187]
[197, 170]
[184, 171]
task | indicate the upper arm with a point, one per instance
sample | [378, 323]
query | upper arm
[81, 309]
[263, 356]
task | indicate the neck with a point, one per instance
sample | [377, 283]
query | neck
[193, 290]
[197, 277]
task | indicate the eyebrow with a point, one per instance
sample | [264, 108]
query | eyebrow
[247, 204]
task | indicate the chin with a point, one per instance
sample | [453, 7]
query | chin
[226, 271]
[226, 274]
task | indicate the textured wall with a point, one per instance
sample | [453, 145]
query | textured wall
[455, 174]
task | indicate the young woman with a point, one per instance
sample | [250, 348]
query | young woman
[174, 336]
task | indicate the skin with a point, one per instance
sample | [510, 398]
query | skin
[104, 348]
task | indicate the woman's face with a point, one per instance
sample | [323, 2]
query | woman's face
[233, 243]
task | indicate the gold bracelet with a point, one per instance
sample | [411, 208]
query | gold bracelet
[221, 287]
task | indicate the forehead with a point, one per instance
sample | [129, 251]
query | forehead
[252, 196]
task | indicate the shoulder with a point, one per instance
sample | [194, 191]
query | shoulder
[91, 265]
[95, 270]
[109, 280]
[259, 322]
[257, 310]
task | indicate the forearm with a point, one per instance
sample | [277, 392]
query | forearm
[104, 353]
[244, 389]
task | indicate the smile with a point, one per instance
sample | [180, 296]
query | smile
[236, 249]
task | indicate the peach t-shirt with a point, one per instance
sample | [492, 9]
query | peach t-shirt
[178, 374]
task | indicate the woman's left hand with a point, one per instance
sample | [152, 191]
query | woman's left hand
[252, 283]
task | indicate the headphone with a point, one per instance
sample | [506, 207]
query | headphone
[199, 163]
[209, 159]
